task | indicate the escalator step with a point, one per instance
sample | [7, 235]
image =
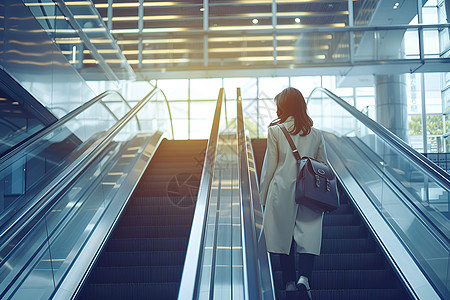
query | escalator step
[344, 232]
[175, 166]
[160, 210]
[353, 279]
[156, 220]
[369, 294]
[361, 261]
[344, 208]
[348, 294]
[366, 261]
[160, 201]
[346, 279]
[128, 274]
[151, 231]
[147, 244]
[340, 220]
[174, 171]
[330, 246]
[135, 291]
[155, 258]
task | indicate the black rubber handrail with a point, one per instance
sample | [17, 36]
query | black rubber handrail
[440, 176]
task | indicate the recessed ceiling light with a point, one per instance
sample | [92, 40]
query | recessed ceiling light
[202, 9]
[255, 21]
[297, 20]
[396, 5]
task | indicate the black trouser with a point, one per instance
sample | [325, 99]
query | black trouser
[305, 265]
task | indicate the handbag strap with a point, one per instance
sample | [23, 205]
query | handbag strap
[291, 143]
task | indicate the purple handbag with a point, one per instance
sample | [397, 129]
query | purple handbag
[316, 182]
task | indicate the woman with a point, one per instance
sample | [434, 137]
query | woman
[285, 221]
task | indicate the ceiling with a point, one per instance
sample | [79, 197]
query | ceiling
[185, 36]
[151, 39]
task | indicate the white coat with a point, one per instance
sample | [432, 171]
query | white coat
[283, 217]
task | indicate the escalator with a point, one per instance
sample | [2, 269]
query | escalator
[119, 221]
[146, 251]
[351, 265]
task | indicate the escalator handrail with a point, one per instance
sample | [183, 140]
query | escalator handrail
[71, 172]
[38, 137]
[258, 283]
[439, 175]
[192, 264]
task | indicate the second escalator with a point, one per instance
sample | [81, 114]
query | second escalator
[145, 254]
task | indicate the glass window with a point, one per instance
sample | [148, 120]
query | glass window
[247, 85]
[136, 90]
[269, 87]
[203, 109]
[431, 42]
[180, 129]
[200, 128]
[179, 109]
[305, 84]
[174, 89]
[205, 89]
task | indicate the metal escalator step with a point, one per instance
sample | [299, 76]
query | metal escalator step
[341, 220]
[150, 258]
[342, 246]
[156, 220]
[349, 261]
[151, 231]
[161, 165]
[367, 294]
[173, 171]
[135, 291]
[147, 210]
[353, 279]
[147, 244]
[344, 208]
[347, 294]
[346, 279]
[156, 274]
[344, 232]
[160, 201]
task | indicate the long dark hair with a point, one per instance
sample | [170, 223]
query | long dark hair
[290, 102]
